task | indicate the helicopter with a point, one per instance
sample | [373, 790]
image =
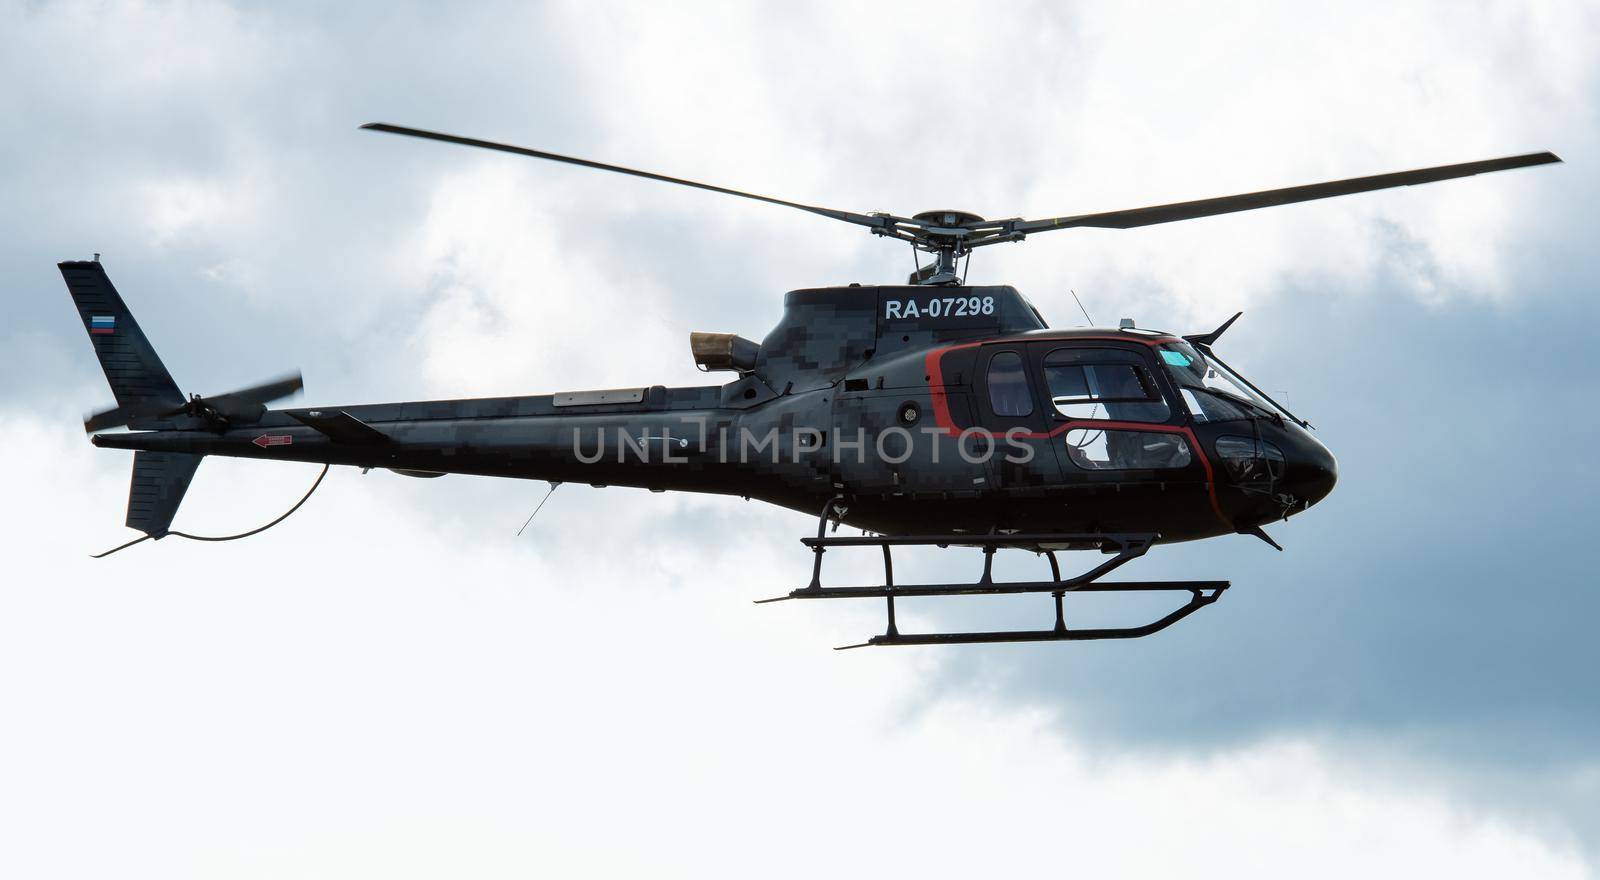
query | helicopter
[930, 413]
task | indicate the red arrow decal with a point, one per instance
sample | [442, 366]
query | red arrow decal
[266, 440]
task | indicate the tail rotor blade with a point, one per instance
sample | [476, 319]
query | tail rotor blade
[247, 400]
[114, 417]
[118, 416]
[243, 404]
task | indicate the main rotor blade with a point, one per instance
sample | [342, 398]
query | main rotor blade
[846, 216]
[1154, 214]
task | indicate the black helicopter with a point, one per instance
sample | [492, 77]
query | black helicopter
[929, 413]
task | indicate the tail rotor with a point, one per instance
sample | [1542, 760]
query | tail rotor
[218, 413]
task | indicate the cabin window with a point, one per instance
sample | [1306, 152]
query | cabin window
[1094, 449]
[1008, 386]
[1089, 384]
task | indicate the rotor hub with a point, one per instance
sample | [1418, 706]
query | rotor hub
[948, 218]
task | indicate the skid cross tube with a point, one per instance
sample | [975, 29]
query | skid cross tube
[1122, 548]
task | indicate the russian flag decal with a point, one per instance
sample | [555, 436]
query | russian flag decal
[100, 324]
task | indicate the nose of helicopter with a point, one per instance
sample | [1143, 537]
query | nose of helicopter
[1311, 473]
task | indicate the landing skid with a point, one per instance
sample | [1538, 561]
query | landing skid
[1123, 547]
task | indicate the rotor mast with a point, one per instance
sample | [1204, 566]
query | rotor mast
[943, 234]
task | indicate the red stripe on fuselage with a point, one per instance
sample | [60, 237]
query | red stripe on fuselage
[941, 406]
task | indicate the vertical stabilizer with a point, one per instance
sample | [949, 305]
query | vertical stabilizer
[138, 378]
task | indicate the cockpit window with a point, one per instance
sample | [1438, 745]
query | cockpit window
[1102, 384]
[1210, 408]
[1008, 386]
[1212, 395]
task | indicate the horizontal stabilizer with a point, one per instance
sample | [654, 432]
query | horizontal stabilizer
[159, 481]
[340, 427]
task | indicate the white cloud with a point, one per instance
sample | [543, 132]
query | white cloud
[517, 299]
[178, 206]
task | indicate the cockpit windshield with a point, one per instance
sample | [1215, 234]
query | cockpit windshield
[1212, 392]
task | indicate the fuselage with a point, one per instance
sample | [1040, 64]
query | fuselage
[1077, 431]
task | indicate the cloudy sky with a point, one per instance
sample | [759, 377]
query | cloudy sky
[393, 683]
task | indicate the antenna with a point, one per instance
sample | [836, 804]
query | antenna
[554, 485]
[1080, 307]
